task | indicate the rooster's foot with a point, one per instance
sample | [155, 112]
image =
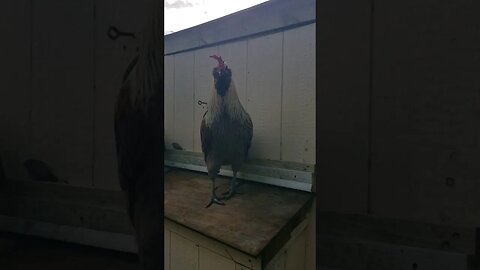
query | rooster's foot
[233, 190]
[215, 200]
[229, 194]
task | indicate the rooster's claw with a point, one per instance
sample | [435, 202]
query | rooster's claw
[228, 194]
[215, 200]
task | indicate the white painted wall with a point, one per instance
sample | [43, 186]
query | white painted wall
[275, 79]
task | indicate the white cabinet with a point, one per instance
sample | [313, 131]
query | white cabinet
[187, 249]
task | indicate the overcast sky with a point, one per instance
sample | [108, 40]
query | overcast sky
[182, 14]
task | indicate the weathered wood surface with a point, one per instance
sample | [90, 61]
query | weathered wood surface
[251, 222]
[60, 204]
[73, 234]
[398, 232]
[343, 253]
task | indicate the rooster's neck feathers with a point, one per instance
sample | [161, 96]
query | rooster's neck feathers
[149, 71]
[229, 104]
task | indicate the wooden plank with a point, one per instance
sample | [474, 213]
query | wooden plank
[295, 254]
[111, 60]
[184, 253]
[400, 232]
[235, 56]
[272, 224]
[70, 214]
[169, 100]
[278, 263]
[241, 267]
[264, 88]
[209, 260]
[290, 255]
[66, 205]
[215, 246]
[183, 105]
[15, 93]
[62, 94]
[203, 89]
[298, 97]
[58, 191]
[348, 253]
[166, 249]
[425, 140]
[310, 256]
[72, 234]
[343, 112]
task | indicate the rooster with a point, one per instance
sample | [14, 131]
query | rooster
[226, 130]
[139, 142]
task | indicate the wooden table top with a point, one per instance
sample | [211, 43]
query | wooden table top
[260, 218]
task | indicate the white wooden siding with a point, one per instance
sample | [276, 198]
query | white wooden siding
[295, 254]
[166, 249]
[183, 100]
[209, 260]
[264, 93]
[62, 94]
[169, 100]
[184, 253]
[111, 59]
[275, 79]
[15, 91]
[298, 102]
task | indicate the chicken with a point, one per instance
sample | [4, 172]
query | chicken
[226, 130]
[140, 145]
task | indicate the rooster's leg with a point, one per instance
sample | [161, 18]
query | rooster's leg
[214, 198]
[233, 187]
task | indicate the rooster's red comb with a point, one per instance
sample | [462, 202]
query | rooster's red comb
[221, 64]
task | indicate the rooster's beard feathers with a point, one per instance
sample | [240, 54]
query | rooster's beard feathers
[229, 104]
